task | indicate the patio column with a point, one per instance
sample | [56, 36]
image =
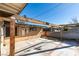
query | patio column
[12, 36]
[1, 36]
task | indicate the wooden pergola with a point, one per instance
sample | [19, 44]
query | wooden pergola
[9, 12]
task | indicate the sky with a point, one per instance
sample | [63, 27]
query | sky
[54, 13]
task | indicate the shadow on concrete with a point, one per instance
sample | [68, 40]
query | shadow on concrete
[70, 42]
[42, 51]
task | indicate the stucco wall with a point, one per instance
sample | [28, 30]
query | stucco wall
[29, 36]
[65, 34]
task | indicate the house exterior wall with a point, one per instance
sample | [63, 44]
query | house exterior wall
[73, 28]
[29, 36]
[24, 33]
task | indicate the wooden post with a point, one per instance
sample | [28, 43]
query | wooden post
[1, 23]
[1, 36]
[12, 37]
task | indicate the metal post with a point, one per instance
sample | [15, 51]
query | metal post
[61, 33]
[12, 37]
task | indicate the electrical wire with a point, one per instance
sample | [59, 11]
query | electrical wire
[47, 11]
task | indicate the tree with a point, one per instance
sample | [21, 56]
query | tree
[75, 21]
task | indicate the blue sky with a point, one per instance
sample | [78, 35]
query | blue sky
[55, 13]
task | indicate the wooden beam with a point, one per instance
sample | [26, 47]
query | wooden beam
[26, 20]
[11, 6]
[1, 19]
[30, 20]
[12, 37]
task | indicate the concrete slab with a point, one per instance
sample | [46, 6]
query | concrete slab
[47, 44]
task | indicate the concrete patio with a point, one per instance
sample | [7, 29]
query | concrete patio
[24, 48]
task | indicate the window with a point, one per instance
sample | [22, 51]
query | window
[33, 29]
[47, 29]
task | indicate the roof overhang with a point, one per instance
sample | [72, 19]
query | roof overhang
[8, 9]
